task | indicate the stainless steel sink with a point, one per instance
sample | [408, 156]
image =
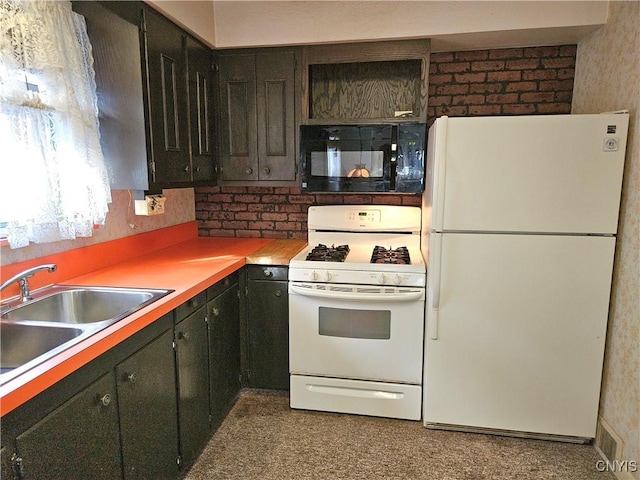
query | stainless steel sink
[23, 342]
[81, 305]
[60, 316]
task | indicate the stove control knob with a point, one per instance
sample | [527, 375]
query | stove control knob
[328, 276]
[314, 275]
[397, 279]
[382, 279]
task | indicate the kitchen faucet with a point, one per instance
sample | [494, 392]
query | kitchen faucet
[22, 277]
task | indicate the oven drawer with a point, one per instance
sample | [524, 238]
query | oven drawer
[377, 399]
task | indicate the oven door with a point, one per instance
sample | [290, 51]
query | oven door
[356, 332]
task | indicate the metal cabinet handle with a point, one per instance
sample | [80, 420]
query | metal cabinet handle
[18, 465]
[266, 170]
[187, 169]
[131, 377]
[104, 400]
[267, 273]
[197, 169]
[183, 335]
[249, 171]
[194, 302]
[278, 293]
[215, 311]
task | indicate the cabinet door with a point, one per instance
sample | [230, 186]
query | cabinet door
[224, 352]
[275, 73]
[268, 334]
[77, 440]
[148, 411]
[192, 359]
[166, 68]
[199, 63]
[238, 130]
[115, 43]
[7, 468]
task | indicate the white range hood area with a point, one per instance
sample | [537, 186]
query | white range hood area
[451, 26]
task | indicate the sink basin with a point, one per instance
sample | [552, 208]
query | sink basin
[81, 305]
[60, 316]
[21, 343]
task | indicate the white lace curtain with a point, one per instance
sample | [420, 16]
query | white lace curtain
[53, 182]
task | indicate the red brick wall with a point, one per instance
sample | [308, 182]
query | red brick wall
[513, 81]
[272, 212]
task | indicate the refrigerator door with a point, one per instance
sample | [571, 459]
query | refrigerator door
[516, 331]
[543, 173]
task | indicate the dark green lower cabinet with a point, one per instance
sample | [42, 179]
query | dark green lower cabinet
[192, 360]
[148, 412]
[6, 464]
[145, 409]
[267, 307]
[223, 312]
[77, 440]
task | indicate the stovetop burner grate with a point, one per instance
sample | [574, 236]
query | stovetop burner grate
[323, 253]
[397, 256]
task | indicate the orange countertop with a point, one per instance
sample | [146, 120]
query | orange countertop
[188, 268]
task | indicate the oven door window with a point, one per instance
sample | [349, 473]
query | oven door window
[347, 323]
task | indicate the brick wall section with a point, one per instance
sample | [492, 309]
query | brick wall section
[513, 81]
[272, 212]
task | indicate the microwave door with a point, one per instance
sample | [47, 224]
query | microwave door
[350, 158]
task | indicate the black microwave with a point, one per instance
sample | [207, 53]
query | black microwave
[363, 158]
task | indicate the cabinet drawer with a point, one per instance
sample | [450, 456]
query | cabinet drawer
[217, 288]
[264, 272]
[191, 305]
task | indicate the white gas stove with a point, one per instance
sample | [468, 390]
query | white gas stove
[356, 312]
[382, 245]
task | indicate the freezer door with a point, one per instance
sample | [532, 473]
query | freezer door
[516, 331]
[543, 173]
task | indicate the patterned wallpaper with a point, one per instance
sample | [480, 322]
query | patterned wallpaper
[179, 208]
[607, 79]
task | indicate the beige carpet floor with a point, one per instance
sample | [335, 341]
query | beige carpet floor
[262, 438]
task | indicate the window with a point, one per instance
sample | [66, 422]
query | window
[53, 182]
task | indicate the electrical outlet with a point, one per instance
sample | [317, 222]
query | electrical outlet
[151, 205]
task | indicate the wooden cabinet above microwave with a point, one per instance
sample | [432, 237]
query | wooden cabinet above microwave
[366, 82]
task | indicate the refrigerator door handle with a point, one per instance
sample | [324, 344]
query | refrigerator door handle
[434, 303]
[439, 169]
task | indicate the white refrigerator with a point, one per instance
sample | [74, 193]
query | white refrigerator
[520, 218]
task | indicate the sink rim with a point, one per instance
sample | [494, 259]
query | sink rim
[88, 328]
[15, 304]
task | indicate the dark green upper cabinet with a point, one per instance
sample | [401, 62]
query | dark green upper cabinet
[115, 41]
[201, 108]
[258, 116]
[166, 66]
[156, 97]
[180, 104]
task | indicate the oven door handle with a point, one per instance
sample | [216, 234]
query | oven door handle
[357, 297]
